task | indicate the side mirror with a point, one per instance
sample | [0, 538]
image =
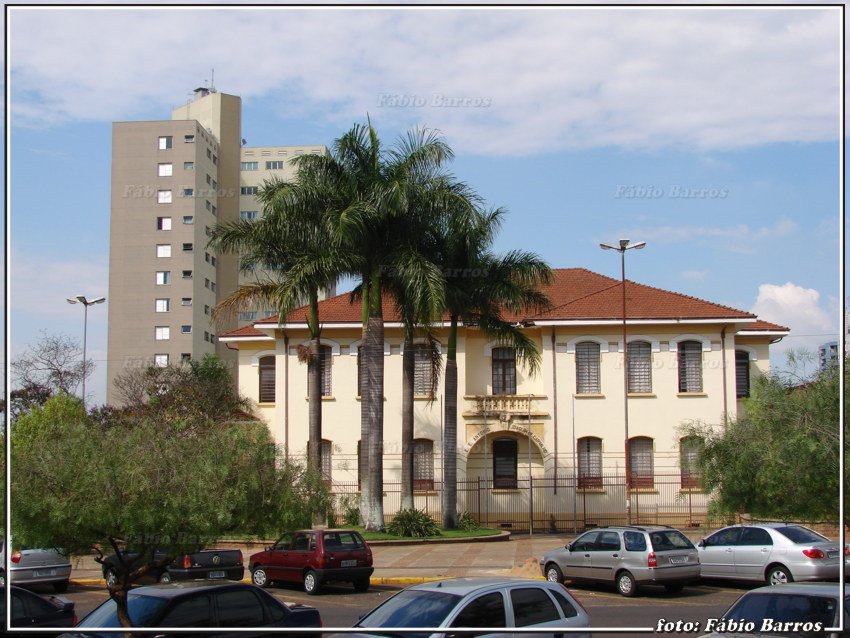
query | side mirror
[569, 547]
[701, 543]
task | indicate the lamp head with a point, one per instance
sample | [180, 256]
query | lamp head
[608, 247]
[71, 300]
[639, 245]
[624, 243]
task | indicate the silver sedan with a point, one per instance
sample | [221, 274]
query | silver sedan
[38, 566]
[772, 552]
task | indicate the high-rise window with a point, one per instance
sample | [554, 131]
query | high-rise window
[160, 360]
[274, 165]
[248, 215]
[163, 197]
[188, 166]
[248, 166]
[188, 219]
[163, 250]
[247, 190]
[165, 169]
[189, 139]
[162, 333]
[164, 142]
[188, 192]
[163, 223]
[163, 277]
[163, 305]
[186, 329]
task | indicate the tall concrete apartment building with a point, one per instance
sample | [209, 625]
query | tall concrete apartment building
[172, 182]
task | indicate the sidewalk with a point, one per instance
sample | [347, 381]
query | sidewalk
[405, 564]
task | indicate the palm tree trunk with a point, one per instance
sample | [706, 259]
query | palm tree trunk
[450, 433]
[363, 457]
[375, 406]
[314, 390]
[407, 365]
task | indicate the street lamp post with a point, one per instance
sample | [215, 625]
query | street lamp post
[623, 246]
[86, 303]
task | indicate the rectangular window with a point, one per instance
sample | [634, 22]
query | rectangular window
[248, 166]
[212, 286]
[422, 370]
[186, 329]
[163, 277]
[248, 215]
[187, 274]
[215, 185]
[188, 219]
[185, 357]
[163, 305]
[589, 462]
[162, 333]
[163, 250]
[326, 362]
[165, 170]
[640, 462]
[188, 166]
[163, 197]
[189, 139]
[188, 192]
[206, 283]
[423, 465]
[215, 160]
[214, 210]
[186, 301]
[160, 360]
[164, 142]
[163, 223]
[640, 366]
[688, 454]
[248, 190]
[690, 366]
[208, 204]
[206, 310]
[326, 458]
[267, 379]
[274, 165]
[206, 336]
[505, 464]
[504, 371]
[187, 247]
[209, 154]
[587, 368]
[742, 374]
[248, 316]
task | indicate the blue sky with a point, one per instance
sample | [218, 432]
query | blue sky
[711, 134]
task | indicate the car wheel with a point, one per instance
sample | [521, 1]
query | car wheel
[626, 584]
[361, 584]
[777, 575]
[311, 583]
[165, 577]
[554, 574]
[260, 578]
[111, 578]
[60, 587]
[674, 588]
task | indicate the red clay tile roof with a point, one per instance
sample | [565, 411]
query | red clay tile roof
[576, 294]
[766, 326]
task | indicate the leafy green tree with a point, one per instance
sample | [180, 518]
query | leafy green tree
[480, 287]
[143, 482]
[780, 458]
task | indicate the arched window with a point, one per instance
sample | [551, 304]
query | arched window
[690, 366]
[326, 362]
[742, 374]
[640, 366]
[587, 368]
[505, 463]
[688, 450]
[267, 379]
[641, 473]
[423, 465]
[504, 371]
[589, 462]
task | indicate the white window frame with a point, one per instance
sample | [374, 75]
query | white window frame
[160, 360]
[163, 250]
[163, 277]
[163, 305]
[165, 169]
[165, 142]
[163, 223]
[163, 197]
[186, 329]
[162, 333]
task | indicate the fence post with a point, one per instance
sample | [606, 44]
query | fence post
[530, 505]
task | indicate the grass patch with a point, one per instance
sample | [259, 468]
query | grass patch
[444, 533]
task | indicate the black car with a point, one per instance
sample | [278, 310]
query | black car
[202, 604]
[31, 610]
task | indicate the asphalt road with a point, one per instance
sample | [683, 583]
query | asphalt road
[341, 606]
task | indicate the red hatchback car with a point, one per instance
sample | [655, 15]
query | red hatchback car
[314, 557]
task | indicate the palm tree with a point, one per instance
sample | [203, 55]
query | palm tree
[292, 249]
[480, 286]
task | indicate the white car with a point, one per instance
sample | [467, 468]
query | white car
[502, 604]
[773, 552]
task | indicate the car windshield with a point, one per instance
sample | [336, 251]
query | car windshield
[142, 610]
[669, 539]
[785, 608]
[797, 534]
[412, 608]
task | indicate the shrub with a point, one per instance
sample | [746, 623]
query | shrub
[413, 523]
[467, 522]
[350, 511]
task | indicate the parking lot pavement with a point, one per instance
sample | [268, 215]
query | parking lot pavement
[407, 563]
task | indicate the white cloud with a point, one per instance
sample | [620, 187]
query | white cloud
[554, 78]
[740, 238]
[812, 322]
[694, 275]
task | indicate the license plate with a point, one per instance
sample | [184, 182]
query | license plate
[348, 563]
[678, 559]
[216, 574]
[832, 554]
[43, 572]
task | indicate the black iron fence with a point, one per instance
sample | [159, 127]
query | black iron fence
[547, 504]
